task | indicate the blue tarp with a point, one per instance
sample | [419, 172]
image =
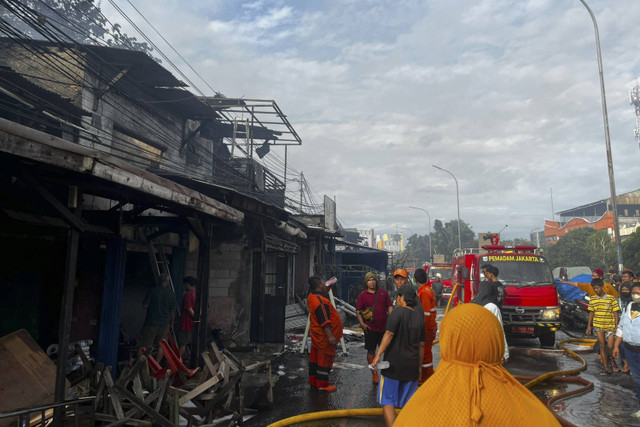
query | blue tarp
[573, 293]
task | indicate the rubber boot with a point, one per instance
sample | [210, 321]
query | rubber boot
[374, 373]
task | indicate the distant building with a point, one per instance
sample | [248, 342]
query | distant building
[367, 238]
[359, 237]
[596, 215]
[390, 242]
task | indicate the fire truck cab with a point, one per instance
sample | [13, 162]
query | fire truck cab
[530, 305]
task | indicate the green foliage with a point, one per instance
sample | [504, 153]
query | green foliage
[631, 251]
[601, 250]
[571, 249]
[444, 239]
[80, 20]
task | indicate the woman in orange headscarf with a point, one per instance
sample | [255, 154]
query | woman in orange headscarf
[470, 386]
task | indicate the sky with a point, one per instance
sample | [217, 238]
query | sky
[504, 94]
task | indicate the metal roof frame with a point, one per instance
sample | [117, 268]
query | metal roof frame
[261, 113]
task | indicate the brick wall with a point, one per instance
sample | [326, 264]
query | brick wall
[229, 286]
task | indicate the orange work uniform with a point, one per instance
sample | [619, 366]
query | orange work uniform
[428, 300]
[321, 314]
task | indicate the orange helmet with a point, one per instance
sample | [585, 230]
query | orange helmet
[400, 272]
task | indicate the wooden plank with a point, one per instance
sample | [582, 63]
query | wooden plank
[147, 380]
[200, 389]
[203, 375]
[110, 418]
[257, 365]
[87, 366]
[99, 392]
[155, 416]
[225, 373]
[222, 394]
[163, 389]
[240, 393]
[233, 358]
[270, 379]
[137, 387]
[128, 376]
[208, 362]
[214, 347]
[191, 419]
[148, 400]
[113, 395]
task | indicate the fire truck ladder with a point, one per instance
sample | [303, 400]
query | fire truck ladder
[239, 133]
[159, 261]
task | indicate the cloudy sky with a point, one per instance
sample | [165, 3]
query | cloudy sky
[505, 94]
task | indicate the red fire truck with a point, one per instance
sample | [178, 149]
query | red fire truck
[530, 306]
[444, 270]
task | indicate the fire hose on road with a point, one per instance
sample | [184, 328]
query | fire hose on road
[532, 381]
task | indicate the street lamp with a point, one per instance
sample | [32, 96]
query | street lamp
[428, 216]
[458, 200]
[605, 118]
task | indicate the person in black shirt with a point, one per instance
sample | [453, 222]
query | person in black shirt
[403, 347]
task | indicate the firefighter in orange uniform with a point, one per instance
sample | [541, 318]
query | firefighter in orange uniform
[428, 300]
[325, 330]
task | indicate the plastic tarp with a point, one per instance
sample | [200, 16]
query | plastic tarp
[573, 293]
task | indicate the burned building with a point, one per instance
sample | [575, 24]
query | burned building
[112, 173]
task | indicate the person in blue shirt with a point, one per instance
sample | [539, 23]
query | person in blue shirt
[628, 335]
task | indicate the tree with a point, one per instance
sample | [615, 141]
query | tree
[79, 20]
[631, 251]
[601, 249]
[444, 239]
[571, 250]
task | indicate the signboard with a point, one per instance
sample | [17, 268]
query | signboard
[330, 223]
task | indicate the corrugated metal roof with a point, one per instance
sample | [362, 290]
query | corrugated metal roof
[144, 69]
[180, 100]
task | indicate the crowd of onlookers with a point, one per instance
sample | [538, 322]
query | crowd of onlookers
[470, 386]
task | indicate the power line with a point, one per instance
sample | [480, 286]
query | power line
[172, 48]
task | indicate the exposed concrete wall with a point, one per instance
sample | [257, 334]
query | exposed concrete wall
[229, 306]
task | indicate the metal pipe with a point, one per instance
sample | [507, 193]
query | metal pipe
[605, 119]
[457, 199]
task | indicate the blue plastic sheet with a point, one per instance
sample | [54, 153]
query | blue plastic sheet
[573, 293]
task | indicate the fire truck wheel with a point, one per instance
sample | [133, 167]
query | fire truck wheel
[548, 340]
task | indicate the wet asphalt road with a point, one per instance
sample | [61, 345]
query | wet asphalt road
[610, 403]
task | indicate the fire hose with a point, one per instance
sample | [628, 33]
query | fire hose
[532, 381]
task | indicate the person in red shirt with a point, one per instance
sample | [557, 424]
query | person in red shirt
[326, 331]
[428, 299]
[374, 327]
[187, 313]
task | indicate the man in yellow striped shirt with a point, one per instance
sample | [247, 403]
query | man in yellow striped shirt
[603, 315]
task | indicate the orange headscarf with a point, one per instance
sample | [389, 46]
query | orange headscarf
[470, 386]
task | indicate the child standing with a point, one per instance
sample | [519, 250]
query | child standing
[603, 316]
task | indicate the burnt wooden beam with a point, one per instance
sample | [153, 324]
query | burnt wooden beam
[200, 335]
[67, 215]
[66, 314]
[187, 139]
[155, 416]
